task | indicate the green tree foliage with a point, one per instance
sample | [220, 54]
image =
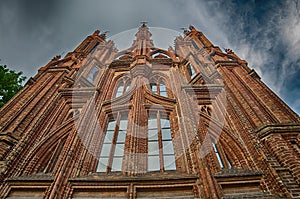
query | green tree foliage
[10, 83]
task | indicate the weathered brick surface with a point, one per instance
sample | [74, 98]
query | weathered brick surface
[56, 125]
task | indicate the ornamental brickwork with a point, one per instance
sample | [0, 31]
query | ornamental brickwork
[191, 121]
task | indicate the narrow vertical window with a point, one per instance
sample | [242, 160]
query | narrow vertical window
[127, 86]
[112, 151]
[154, 88]
[162, 89]
[167, 144]
[160, 146]
[119, 145]
[159, 88]
[191, 71]
[222, 158]
[106, 147]
[217, 154]
[153, 147]
[120, 89]
[123, 87]
[93, 74]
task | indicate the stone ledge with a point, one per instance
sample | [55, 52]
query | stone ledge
[268, 129]
[120, 177]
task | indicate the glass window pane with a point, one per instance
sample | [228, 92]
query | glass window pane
[127, 86]
[123, 124]
[121, 137]
[220, 160]
[152, 135]
[191, 71]
[153, 163]
[153, 87]
[215, 147]
[162, 87]
[105, 150]
[120, 89]
[169, 162]
[168, 148]
[152, 121]
[164, 93]
[119, 150]
[102, 164]
[165, 123]
[109, 137]
[111, 125]
[93, 73]
[117, 164]
[166, 134]
[153, 148]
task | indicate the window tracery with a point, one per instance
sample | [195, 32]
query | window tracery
[123, 86]
[112, 152]
[159, 87]
[161, 154]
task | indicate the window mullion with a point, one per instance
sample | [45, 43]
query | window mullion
[113, 143]
[125, 86]
[157, 87]
[160, 144]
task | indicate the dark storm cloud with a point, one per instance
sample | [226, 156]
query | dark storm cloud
[27, 33]
[265, 33]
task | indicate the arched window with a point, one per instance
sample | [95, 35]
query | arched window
[120, 89]
[160, 145]
[123, 87]
[191, 71]
[93, 74]
[162, 89]
[111, 156]
[221, 155]
[159, 87]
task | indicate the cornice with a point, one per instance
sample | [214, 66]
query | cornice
[268, 129]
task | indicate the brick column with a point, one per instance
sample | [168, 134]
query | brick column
[284, 154]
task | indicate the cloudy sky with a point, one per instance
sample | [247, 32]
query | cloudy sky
[264, 32]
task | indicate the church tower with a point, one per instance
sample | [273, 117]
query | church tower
[191, 121]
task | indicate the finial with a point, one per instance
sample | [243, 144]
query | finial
[144, 23]
[97, 32]
[56, 58]
[103, 35]
[228, 51]
[192, 28]
[185, 31]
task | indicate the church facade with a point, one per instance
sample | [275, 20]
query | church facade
[190, 121]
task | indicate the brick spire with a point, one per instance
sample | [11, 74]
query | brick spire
[143, 43]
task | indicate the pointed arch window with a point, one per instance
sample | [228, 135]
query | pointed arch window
[191, 70]
[112, 152]
[222, 158]
[93, 74]
[159, 87]
[161, 156]
[122, 87]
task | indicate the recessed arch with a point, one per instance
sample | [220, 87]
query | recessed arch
[41, 148]
[157, 52]
[231, 144]
[159, 85]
